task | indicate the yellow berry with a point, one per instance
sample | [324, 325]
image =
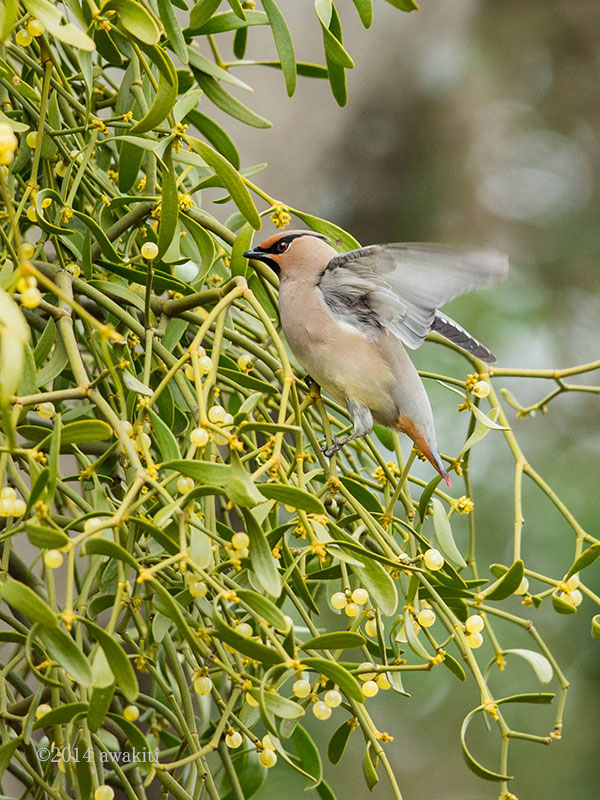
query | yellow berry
[35, 27]
[321, 710]
[245, 362]
[352, 610]
[360, 596]
[149, 250]
[474, 624]
[370, 688]
[73, 269]
[433, 559]
[244, 629]
[426, 618]
[481, 389]
[250, 699]
[131, 713]
[53, 558]
[31, 297]
[6, 507]
[268, 758]
[189, 372]
[371, 628]
[203, 685]
[31, 139]
[233, 740]
[185, 484]
[198, 589]
[23, 38]
[474, 640]
[523, 587]
[240, 541]
[339, 600]
[333, 698]
[19, 507]
[573, 582]
[363, 675]
[31, 215]
[104, 792]
[26, 250]
[205, 365]
[383, 682]
[267, 742]
[93, 525]
[42, 709]
[216, 414]
[301, 688]
[199, 437]
[61, 169]
[8, 493]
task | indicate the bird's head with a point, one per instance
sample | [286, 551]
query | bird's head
[294, 253]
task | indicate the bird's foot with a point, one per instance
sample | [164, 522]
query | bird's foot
[336, 444]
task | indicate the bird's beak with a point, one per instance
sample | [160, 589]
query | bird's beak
[254, 254]
[260, 255]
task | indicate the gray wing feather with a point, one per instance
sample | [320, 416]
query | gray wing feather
[400, 286]
[456, 334]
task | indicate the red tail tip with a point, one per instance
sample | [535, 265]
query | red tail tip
[448, 481]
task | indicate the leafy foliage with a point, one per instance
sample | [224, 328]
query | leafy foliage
[170, 527]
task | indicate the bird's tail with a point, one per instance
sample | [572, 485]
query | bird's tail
[456, 334]
[427, 445]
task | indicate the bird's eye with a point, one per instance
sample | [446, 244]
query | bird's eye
[282, 246]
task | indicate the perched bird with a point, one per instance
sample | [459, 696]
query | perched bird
[348, 316]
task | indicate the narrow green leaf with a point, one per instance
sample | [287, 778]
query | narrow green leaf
[42, 536]
[230, 178]
[202, 12]
[169, 205]
[338, 674]
[104, 547]
[506, 585]
[166, 94]
[336, 640]
[541, 666]
[26, 601]
[404, 5]
[426, 496]
[243, 644]
[261, 557]
[80, 431]
[216, 135]
[174, 35]
[338, 742]
[372, 576]
[413, 640]
[369, 501]
[455, 668]
[117, 659]
[443, 535]
[61, 715]
[51, 17]
[227, 21]
[480, 432]
[136, 20]
[228, 103]
[471, 762]
[282, 707]
[166, 441]
[340, 239]
[596, 627]
[63, 649]
[562, 606]
[365, 11]
[584, 560]
[264, 608]
[486, 421]
[369, 771]
[292, 496]
[243, 242]
[308, 753]
[283, 43]
[37, 490]
[205, 472]
[334, 49]
[7, 751]
[336, 72]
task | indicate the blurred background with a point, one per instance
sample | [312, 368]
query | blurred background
[472, 122]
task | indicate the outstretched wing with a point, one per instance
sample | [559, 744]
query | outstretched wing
[400, 287]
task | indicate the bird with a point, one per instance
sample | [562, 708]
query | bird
[349, 317]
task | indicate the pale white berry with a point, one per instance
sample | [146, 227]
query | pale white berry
[199, 437]
[301, 688]
[370, 688]
[339, 600]
[233, 740]
[321, 710]
[203, 685]
[360, 596]
[268, 758]
[333, 698]
[481, 389]
[186, 272]
[474, 624]
[371, 628]
[523, 587]
[433, 559]
[474, 640]
[426, 618]
[149, 250]
[216, 414]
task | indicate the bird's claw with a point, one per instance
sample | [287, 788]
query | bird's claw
[336, 444]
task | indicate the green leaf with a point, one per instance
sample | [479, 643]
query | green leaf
[41, 536]
[117, 659]
[244, 644]
[308, 753]
[292, 496]
[230, 104]
[63, 649]
[202, 12]
[365, 11]
[404, 5]
[7, 752]
[14, 333]
[413, 640]
[369, 501]
[336, 640]
[216, 135]
[174, 35]
[486, 421]
[264, 608]
[166, 441]
[204, 472]
[136, 20]
[104, 547]
[37, 489]
[249, 382]
[334, 49]
[261, 557]
[283, 43]
[541, 666]
[562, 606]
[373, 577]
[8, 18]
[369, 771]
[227, 21]
[455, 668]
[51, 17]
[336, 72]
[471, 762]
[241, 489]
[88, 430]
[596, 627]
[584, 560]
[169, 205]
[426, 496]
[103, 241]
[166, 94]
[480, 432]
[338, 674]
[230, 178]
[26, 601]
[443, 535]
[243, 242]
[340, 239]
[103, 683]
[61, 715]
[281, 706]
[28, 382]
[506, 585]
[338, 742]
